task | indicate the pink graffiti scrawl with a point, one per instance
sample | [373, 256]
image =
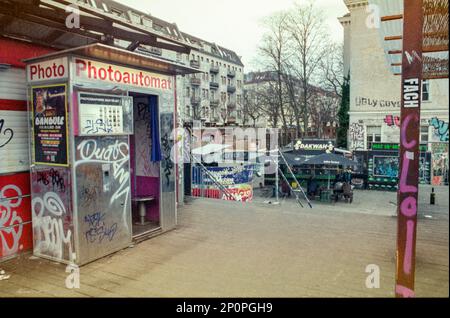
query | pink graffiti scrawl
[408, 248]
[406, 292]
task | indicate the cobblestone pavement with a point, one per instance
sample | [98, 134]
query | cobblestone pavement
[230, 249]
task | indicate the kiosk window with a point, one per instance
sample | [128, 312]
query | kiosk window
[104, 114]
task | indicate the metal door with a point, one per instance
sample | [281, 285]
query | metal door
[103, 203]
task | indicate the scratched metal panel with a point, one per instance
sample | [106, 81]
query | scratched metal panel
[102, 168]
[13, 84]
[13, 141]
[168, 199]
[51, 212]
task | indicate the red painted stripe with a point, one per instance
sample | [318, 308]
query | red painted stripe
[10, 104]
[14, 51]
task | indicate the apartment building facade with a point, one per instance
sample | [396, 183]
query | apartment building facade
[260, 97]
[214, 96]
[375, 90]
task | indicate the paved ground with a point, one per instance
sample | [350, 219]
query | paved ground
[256, 250]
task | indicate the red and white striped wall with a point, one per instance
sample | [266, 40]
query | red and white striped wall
[15, 205]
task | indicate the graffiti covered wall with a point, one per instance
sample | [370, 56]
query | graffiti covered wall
[52, 214]
[356, 135]
[15, 216]
[103, 195]
[15, 213]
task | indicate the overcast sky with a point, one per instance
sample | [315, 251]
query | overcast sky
[233, 24]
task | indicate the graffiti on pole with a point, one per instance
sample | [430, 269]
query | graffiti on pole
[409, 148]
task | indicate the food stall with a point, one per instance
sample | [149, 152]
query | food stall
[382, 166]
[301, 150]
[101, 122]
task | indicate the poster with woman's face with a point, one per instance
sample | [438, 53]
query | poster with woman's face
[50, 125]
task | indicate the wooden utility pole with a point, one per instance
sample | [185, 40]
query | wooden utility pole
[407, 197]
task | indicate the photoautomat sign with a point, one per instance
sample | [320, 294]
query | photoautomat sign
[94, 70]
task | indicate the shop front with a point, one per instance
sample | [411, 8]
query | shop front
[383, 166]
[101, 125]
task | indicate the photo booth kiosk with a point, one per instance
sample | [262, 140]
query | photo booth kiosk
[101, 135]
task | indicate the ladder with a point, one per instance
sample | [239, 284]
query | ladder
[299, 189]
[221, 187]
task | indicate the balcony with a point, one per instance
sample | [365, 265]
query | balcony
[231, 73]
[196, 81]
[214, 69]
[195, 64]
[213, 85]
[231, 118]
[195, 100]
[214, 102]
[231, 105]
[231, 88]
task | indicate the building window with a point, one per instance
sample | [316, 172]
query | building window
[373, 135]
[188, 93]
[423, 134]
[425, 90]
[188, 111]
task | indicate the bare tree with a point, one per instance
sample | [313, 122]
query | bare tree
[332, 68]
[252, 108]
[268, 103]
[325, 108]
[294, 99]
[273, 51]
[309, 39]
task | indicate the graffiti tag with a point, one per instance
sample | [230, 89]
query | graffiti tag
[116, 154]
[98, 126]
[356, 134]
[8, 132]
[441, 128]
[97, 229]
[52, 177]
[48, 228]
[8, 218]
